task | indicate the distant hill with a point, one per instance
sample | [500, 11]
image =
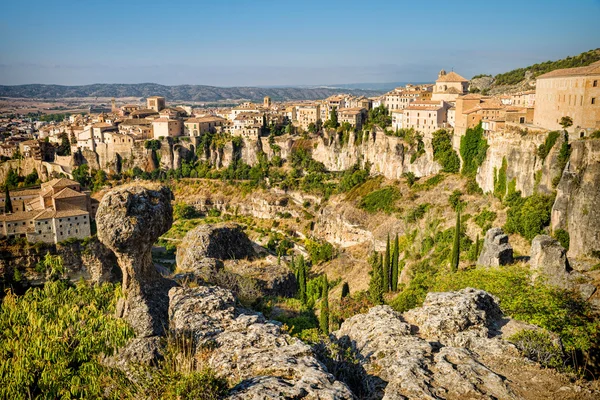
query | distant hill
[176, 93]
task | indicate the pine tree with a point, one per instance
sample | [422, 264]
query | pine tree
[324, 317]
[395, 260]
[8, 208]
[376, 282]
[456, 246]
[386, 266]
[345, 290]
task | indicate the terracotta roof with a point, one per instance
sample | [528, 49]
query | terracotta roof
[592, 69]
[451, 77]
[24, 192]
[59, 182]
[18, 216]
[136, 121]
[67, 193]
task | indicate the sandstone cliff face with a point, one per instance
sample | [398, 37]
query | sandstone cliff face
[387, 155]
[577, 205]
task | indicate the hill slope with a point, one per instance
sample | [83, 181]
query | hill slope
[173, 93]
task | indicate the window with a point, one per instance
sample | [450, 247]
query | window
[595, 84]
[593, 100]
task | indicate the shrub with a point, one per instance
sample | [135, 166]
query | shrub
[544, 148]
[484, 219]
[380, 200]
[417, 213]
[429, 183]
[500, 180]
[473, 148]
[563, 238]
[51, 339]
[538, 346]
[454, 199]
[319, 250]
[443, 151]
[529, 216]
[184, 211]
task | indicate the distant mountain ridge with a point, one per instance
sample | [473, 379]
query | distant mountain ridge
[176, 93]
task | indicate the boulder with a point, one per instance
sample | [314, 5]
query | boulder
[549, 260]
[265, 362]
[496, 249]
[130, 220]
[223, 255]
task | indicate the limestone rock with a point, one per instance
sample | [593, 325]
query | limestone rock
[129, 220]
[266, 362]
[418, 367]
[496, 249]
[223, 255]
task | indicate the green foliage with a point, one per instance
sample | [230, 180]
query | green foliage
[379, 116]
[82, 175]
[544, 149]
[8, 208]
[538, 346]
[443, 151]
[387, 266]
[529, 216]
[563, 238]
[12, 179]
[500, 180]
[185, 211]
[51, 339]
[54, 117]
[353, 177]
[152, 145]
[417, 212]
[566, 122]
[485, 219]
[429, 183]
[455, 200]
[472, 187]
[562, 312]
[482, 76]
[332, 122]
[324, 315]
[376, 282]
[455, 258]
[395, 265]
[380, 200]
[473, 148]
[411, 178]
[518, 75]
[319, 250]
[301, 277]
[563, 154]
[64, 148]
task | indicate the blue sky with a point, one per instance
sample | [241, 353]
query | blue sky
[263, 42]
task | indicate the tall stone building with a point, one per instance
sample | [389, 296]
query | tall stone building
[573, 92]
[156, 103]
[449, 86]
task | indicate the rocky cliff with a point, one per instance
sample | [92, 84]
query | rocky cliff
[577, 205]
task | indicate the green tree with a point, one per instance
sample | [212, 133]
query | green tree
[82, 175]
[500, 180]
[411, 178]
[395, 262]
[456, 245]
[332, 122]
[473, 148]
[566, 122]
[376, 281]
[301, 277]
[8, 208]
[386, 266]
[443, 151]
[64, 149]
[345, 290]
[12, 179]
[324, 316]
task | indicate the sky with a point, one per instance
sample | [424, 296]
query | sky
[284, 43]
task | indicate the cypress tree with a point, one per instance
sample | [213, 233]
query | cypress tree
[386, 266]
[456, 246]
[324, 317]
[345, 290]
[302, 279]
[8, 208]
[395, 260]
[376, 284]
[477, 248]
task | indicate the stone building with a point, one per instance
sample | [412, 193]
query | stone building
[156, 103]
[573, 92]
[307, 114]
[449, 86]
[55, 212]
[353, 116]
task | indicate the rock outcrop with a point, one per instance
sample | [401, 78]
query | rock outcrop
[265, 362]
[577, 205]
[450, 348]
[549, 260]
[130, 220]
[222, 254]
[496, 250]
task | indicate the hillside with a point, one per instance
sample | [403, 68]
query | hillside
[181, 92]
[524, 78]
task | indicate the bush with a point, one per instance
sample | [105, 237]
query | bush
[484, 219]
[454, 199]
[443, 151]
[185, 211]
[429, 183]
[563, 238]
[529, 216]
[473, 148]
[417, 213]
[319, 250]
[51, 339]
[380, 200]
[544, 149]
[538, 346]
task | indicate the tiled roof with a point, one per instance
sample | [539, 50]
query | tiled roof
[67, 193]
[592, 69]
[451, 77]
